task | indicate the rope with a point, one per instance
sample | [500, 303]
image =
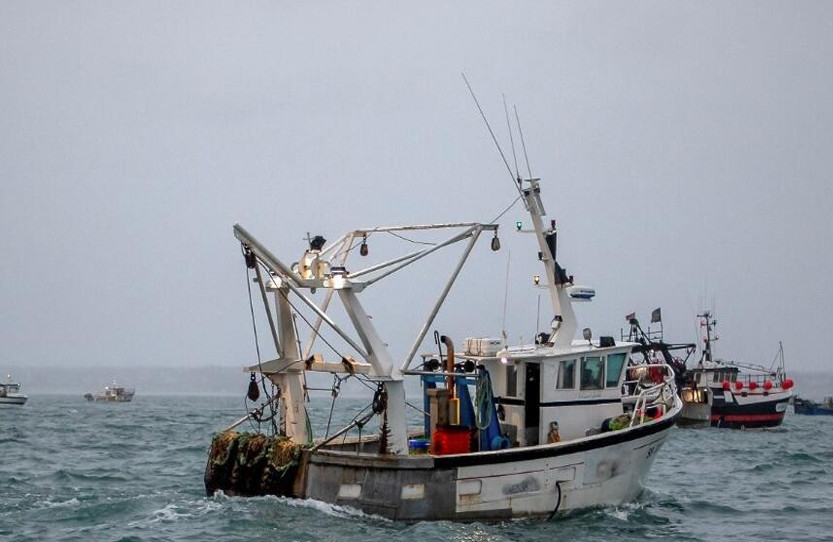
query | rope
[336, 387]
[483, 396]
[411, 240]
[307, 322]
[498, 217]
[257, 349]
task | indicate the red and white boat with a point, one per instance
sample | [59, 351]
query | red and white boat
[743, 396]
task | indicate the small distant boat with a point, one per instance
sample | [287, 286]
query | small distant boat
[10, 393]
[111, 394]
[812, 408]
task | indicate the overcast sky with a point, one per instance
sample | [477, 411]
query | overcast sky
[685, 149]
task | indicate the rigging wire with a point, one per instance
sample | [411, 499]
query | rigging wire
[498, 217]
[307, 322]
[259, 358]
[414, 241]
[511, 139]
[506, 295]
[499, 150]
[353, 244]
[336, 387]
[523, 144]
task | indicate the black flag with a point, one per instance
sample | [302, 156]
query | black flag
[656, 316]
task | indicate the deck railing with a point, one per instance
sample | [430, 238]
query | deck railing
[664, 389]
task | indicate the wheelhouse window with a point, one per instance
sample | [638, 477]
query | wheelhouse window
[511, 380]
[614, 369]
[566, 375]
[592, 373]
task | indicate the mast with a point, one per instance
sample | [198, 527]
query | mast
[707, 346]
[557, 281]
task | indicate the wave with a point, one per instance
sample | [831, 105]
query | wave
[173, 512]
[333, 510]
[67, 475]
[58, 504]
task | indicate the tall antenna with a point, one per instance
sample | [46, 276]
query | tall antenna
[509, 169]
[511, 140]
[506, 295]
[521, 132]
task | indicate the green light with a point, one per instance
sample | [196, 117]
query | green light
[519, 225]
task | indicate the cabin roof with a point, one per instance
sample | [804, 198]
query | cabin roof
[537, 351]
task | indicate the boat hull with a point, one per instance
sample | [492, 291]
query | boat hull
[695, 415]
[534, 482]
[697, 407]
[13, 400]
[752, 411]
[108, 399]
[812, 410]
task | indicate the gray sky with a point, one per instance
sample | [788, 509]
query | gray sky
[685, 149]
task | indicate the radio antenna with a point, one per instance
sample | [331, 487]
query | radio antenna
[511, 140]
[506, 162]
[521, 132]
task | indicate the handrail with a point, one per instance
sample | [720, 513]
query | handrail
[657, 390]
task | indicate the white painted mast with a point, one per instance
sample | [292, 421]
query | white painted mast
[557, 283]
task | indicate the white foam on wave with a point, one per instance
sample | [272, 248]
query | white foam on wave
[333, 510]
[171, 512]
[329, 509]
[622, 512]
[618, 513]
[175, 512]
[59, 504]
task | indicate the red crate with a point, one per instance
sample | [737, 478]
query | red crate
[451, 440]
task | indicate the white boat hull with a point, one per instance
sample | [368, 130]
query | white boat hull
[610, 475]
[13, 400]
[539, 481]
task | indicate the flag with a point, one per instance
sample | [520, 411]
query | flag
[656, 316]
[631, 316]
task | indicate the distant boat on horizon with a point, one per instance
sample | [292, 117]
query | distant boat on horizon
[111, 394]
[812, 408]
[10, 393]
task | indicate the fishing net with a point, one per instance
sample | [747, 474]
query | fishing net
[251, 464]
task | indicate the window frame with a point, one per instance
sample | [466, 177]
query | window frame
[608, 383]
[558, 377]
[600, 379]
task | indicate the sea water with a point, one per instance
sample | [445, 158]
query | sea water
[72, 470]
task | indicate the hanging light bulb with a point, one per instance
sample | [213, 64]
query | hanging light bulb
[363, 250]
[536, 279]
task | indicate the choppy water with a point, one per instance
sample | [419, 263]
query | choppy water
[70, 470]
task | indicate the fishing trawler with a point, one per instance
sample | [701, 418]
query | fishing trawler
[10, 393]
[744, 395]
[111, 394]
[507, 431]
